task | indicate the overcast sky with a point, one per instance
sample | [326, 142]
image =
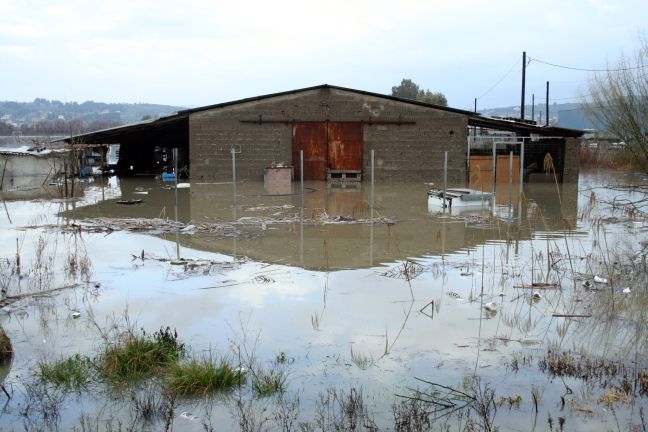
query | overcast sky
[199, 52]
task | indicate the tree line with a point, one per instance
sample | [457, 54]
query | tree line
[57, 127]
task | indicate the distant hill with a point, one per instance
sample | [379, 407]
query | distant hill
[49, 116]
[567, 115]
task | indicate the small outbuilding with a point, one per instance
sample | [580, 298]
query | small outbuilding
[337, 128]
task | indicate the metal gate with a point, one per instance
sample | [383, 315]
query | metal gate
[327, 146]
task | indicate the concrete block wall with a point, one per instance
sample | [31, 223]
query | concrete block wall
[404, 152]
[572, 160]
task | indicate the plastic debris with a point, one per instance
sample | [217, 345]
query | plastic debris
[626, 290]
[185, 415]
[466, 273]
[502, 294]
[536, 295]
[587, 284]
[490, 306]
[598, 279]
[76, 314]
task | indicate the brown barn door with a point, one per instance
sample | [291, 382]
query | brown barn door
[326, 145]
[311, 138]
[345, 146]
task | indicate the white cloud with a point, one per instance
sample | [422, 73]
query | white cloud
[205, 51]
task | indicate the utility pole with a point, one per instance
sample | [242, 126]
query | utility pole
[532, 106]
[547, 102]
[523, 82]
[475, 105]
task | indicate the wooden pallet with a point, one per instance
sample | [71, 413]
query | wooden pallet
[343, 175]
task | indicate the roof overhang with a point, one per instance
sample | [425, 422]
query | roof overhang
[113, 135]
[522, 128]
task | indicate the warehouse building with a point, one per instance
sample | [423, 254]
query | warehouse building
[337, 129]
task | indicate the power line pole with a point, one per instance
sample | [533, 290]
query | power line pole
[523, 85]
[532, 106]
[547, 104]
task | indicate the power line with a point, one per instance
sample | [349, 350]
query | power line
[500, 80]
[587, 70]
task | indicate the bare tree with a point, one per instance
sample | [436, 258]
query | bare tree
[618, 101]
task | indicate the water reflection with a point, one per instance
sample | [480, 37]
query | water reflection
[417, 232]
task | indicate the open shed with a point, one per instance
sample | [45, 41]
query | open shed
[336, 128]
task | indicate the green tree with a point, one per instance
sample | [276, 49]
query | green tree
[408, 89]
[436, 98]
[618, 101]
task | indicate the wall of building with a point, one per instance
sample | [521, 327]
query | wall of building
[406, 151]
[572, 160]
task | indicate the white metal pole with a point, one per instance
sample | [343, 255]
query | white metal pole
[494, 164]
[301, 177]
[234, 176]
[510, 181]
[521, 178]
[445, 179]
[372, 180]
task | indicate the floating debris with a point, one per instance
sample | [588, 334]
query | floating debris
[536, 296]
[270, 208]
[76, 314]
[539, 285]
[185, 415]
[263, 279]
[626, 290]
[454, 295]
[466, 273]
[490, 306]
[600, 280]
[129, 201]
[222, 229]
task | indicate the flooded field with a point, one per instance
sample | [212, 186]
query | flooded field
[340, 316]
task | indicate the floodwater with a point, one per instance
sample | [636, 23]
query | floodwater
[377, 306]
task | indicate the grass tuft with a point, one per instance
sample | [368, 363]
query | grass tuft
[137, 356]
[203, 376]
[71, 373]
[268, 382]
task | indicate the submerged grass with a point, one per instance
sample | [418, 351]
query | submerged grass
[203, 376]
[74, 372]
[137, 356]
[270, 381]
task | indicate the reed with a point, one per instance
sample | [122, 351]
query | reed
[202, 376]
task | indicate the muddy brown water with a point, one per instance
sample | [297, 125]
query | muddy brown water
[406, 297]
